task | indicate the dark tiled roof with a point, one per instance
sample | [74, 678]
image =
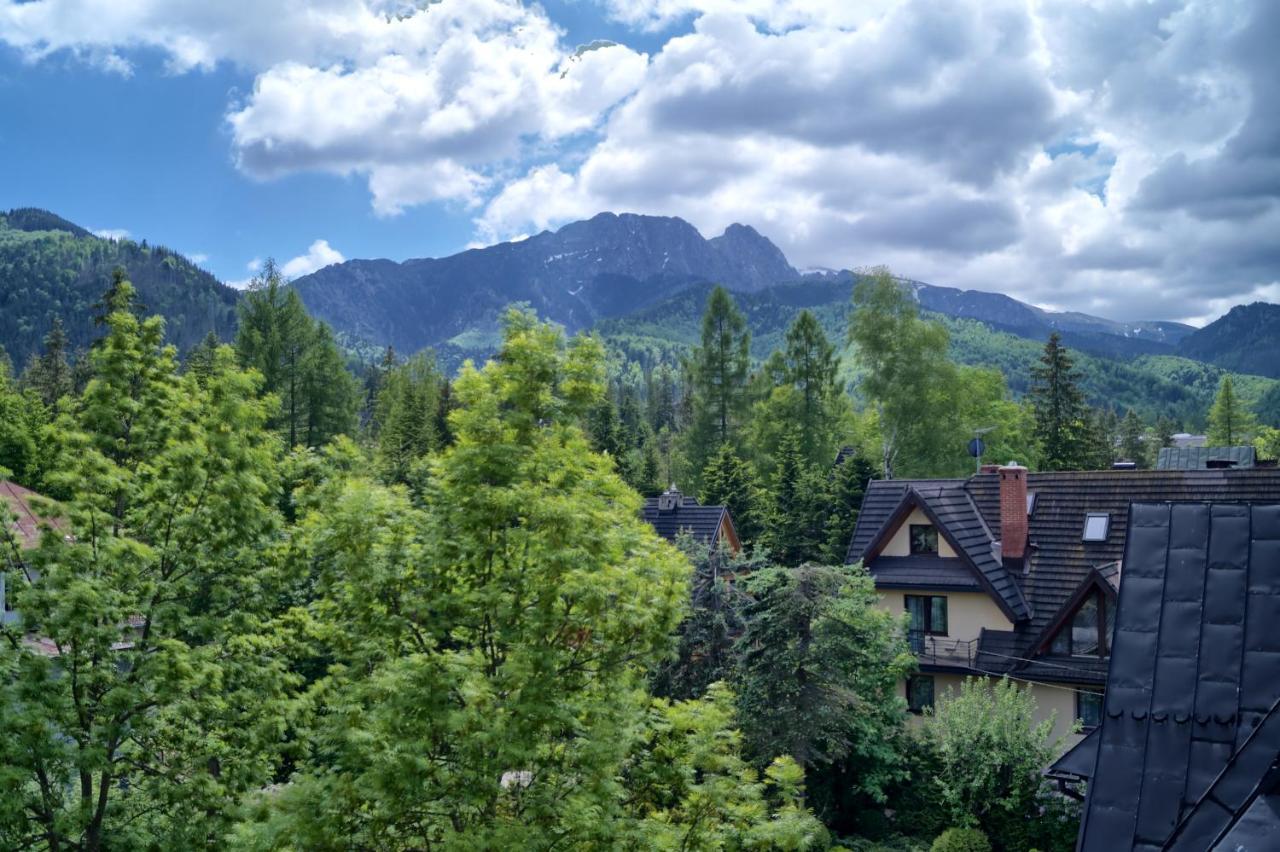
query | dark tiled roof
[1059, 560]
[701, 522]
[1078, 761]
[1198, 458]
[933, 572]
[1195, 669]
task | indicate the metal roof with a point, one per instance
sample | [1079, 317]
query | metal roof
[1199, 458]
[701, 522]
[1195, 674]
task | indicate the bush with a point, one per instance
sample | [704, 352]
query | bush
[961, 840]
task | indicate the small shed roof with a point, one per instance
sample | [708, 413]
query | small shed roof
[1204, 458]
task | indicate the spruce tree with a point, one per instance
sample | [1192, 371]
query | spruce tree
[1132, 443]
[847, 486]
[49, 373]
[1231, 423]
[718, 378]
[1062, 420]
[728, 480]
[799, 506]
[811, 365]
[405, 417]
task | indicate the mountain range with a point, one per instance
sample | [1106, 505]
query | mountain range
[641, 281]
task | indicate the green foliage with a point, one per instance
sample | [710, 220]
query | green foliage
[961, 840]
[1267, 444]
[819, 670]
[690, 789]
[491, 646]
[718, 379]
[153, 699]
[988, 754]
[51, 269]
[405, 417]
[299, 361]
[845, 490]
[1230, 422]
[728, 480]
[1062, 419]
[800, 508]
[22, 417]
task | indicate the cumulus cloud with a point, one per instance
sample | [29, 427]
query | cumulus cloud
[1110, 156]
[112, 233]
[318, 256]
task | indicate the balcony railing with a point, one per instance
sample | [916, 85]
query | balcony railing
[939, 650]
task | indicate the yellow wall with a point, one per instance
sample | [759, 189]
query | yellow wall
[900, 544]
[967, 612]
[1057, 700]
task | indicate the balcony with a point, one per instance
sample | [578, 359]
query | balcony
[941, 651]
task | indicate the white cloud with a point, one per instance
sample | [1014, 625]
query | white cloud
[198, 257]
[1112, 156]
[318, 256]
[254, 265]
[112, 233]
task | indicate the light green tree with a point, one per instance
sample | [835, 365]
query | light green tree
[139, 694]
[491, 647]
[1230, 421]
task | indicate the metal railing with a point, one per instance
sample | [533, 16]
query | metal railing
[939, 650]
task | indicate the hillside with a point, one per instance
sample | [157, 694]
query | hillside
[50, 267]
[1153, 385]
[1246, 338]
[606, 266]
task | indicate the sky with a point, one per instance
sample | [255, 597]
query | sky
[1118, 157]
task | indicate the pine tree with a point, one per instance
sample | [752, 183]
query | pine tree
[202, 359]
[811, 365]
[49, 373]
[1132, 439]
[847, 487]
[1062, 419]
[799, 510]
[405, 417]
[605, 430]
[718, 378]
[728, 480]
[1231, 423]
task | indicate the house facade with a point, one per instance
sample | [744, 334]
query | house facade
[1015, 573]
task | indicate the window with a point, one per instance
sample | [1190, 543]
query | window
[924, 538]
[1089, 707]
[1095, 526]
[1088, 633]
[927, 614]
[920, 693]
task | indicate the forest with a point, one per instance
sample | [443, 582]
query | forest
[278, 605]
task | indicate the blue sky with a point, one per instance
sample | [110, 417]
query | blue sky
[1119, 158]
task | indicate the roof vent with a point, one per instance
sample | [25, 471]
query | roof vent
[1124, 465]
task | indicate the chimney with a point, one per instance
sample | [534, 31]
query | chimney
[1013, 513]
[670, 499]
[989, 468]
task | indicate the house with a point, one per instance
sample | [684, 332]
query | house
[22, 533]
[1201, 458]
[672, 513]
[1187, 755]
[1014, 573]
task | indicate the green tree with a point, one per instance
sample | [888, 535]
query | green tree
[728, 480]
[22, 416]
[989, 754]
[299, 361]
[405, 417]
[491, 646]
[49, 373]
[1231, 423]
[161, 702]
[847, 486]
[690, 788]
[1062, 426]
[905, 368]
[1133, 440]
[1267, 444]
[718, 379]
[799, 512]
[819, 673]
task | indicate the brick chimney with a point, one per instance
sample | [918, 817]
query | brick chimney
[1013, 513]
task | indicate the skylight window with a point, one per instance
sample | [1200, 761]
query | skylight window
[1096, 525]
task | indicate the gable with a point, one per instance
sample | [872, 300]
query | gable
[899, 541]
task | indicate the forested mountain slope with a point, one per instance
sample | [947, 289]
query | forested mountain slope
[50, 267]
[1246, 338]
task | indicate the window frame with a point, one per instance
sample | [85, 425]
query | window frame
[1080, 693]
[1065, 630]
[928, 613]
[1106, 526]
[933, 693]
[911, 540]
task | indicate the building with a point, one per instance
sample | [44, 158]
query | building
[1187, 755]
[1015, 573]
[672, 513]
[1205, 458]
[1186, 439]
[23, 533]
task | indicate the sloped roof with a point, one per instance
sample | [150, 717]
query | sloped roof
[701, 522]
[1198, 458]
[1059, 559]
[934, 572]
[25, 518]
[1195, 667]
